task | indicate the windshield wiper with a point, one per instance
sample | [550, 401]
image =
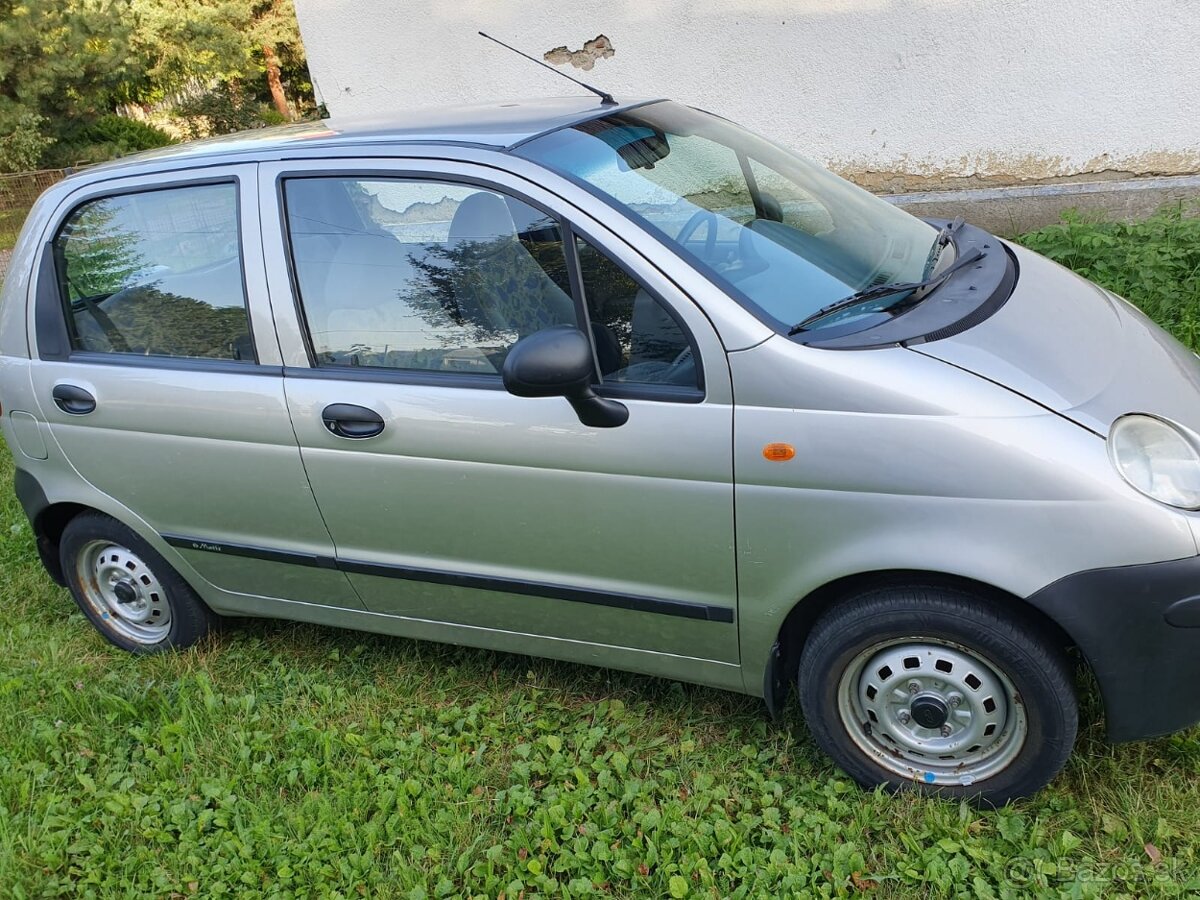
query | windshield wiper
[944, 236]
[886, 290]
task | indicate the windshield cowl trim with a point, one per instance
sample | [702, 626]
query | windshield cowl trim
[964, 300]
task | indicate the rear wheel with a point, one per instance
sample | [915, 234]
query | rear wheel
[127, 590]
[940, 689]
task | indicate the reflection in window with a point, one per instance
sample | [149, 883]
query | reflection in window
[637, 340]
[157, 273]
[774, 230]
[425, 276]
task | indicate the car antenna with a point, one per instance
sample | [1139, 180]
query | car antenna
[606, 99]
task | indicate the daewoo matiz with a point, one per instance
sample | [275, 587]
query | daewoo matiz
[618, 383]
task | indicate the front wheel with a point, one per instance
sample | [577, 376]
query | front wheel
[941, 689]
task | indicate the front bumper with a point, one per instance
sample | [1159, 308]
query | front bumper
[1139, 629]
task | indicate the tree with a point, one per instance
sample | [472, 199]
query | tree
[207, 41]
[275, 26]
[65, 64]
[61, 61]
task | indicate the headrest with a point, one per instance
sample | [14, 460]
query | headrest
[322, 206]
[482, 217]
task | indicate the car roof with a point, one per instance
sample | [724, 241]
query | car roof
[498, 125]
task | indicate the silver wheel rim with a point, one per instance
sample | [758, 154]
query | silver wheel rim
[931, 710]
[123, 592]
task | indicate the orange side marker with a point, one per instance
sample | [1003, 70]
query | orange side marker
[779, 452]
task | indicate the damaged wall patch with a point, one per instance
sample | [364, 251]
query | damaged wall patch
[599, 47]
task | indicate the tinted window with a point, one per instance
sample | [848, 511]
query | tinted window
[157, 273]
[422, 275]
[637, 340]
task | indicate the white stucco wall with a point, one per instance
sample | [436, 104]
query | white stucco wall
[895, 93]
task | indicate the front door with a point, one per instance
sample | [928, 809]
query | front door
[452, 501]
[157, 370]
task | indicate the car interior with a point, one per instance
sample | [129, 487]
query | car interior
[459, 304]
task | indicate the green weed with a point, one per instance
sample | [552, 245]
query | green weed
[281, 760]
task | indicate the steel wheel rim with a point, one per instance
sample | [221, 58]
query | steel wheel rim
[123, 592]
[932, 711]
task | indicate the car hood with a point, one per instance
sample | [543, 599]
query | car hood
[1077, 349]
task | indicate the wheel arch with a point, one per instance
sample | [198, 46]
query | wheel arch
[47, 519]
[48, 528]
[783, 661]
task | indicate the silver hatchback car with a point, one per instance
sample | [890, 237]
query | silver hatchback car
[622, 384]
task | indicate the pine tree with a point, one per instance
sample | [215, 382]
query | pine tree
[60, 61]
[184, 41]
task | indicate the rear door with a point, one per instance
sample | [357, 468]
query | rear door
[452, 501]
[158, 371]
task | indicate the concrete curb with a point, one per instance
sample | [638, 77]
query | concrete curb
[1013, 210]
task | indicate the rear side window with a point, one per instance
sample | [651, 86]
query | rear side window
[156, 273]
[422, 275]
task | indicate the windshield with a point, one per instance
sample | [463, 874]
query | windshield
[776, 231]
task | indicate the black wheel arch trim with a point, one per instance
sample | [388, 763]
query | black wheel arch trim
[1135, 625]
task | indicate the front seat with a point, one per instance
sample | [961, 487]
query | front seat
[499, 288]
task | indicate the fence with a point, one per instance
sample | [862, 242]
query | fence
[17, 193]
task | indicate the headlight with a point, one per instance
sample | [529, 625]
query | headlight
[1157, 458]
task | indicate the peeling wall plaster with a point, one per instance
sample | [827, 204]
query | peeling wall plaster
[586, 57]
[897, 94]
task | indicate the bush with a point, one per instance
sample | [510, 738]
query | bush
[223, 110]
[105, 138]
[128, 134]
[22, 142]
[1154, 264]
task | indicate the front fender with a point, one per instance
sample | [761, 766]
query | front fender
[1015, 503]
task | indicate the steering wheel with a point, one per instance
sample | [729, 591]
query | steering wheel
[692, 225]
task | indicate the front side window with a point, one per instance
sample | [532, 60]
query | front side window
[434, 276]
[156, 273]
[637, 339]
[776, 231]
[422, 275]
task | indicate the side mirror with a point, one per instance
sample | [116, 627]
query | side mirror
[557, 362]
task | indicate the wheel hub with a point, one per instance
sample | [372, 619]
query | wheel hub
[124, 592]
[932, 710]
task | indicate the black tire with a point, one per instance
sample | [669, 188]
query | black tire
[168, 595]
[994, 634]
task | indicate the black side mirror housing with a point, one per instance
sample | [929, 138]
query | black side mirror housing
[557, 362]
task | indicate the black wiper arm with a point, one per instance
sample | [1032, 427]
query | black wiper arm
[944, 236]
[886, 290]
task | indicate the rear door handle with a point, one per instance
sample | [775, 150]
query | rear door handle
[347, 420]
[73, 400]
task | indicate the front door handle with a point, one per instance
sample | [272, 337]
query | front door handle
[347, 420]
[73, 400]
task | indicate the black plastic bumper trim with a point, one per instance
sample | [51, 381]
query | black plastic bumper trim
[1184, 613]
[33, 501]
[634, 602]
[29, 494]
[1131, 625]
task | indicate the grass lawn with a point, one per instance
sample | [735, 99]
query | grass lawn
[284, 760]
